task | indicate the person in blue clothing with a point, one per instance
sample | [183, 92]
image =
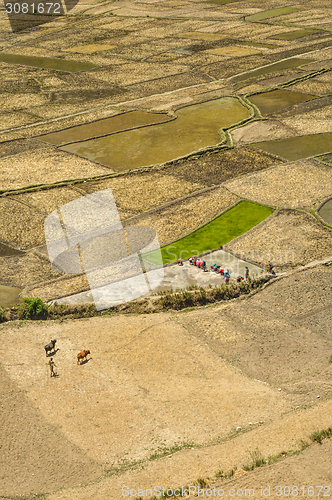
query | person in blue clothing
[246, 274]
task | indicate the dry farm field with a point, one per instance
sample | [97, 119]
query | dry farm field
[179, 114]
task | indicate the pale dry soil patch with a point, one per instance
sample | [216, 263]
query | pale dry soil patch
[287, 238]
[263, 130]
[35, 455]
[316, 121]
[162, 378]
[298, 184]
[142, 387]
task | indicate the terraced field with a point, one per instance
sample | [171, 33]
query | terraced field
[207, 124]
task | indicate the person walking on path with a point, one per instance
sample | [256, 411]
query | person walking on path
[52, 365]
[246, 275]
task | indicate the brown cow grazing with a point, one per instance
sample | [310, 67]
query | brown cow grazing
[81, 356]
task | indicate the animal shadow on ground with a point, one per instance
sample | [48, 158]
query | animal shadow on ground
[52, 353]
[84, 362]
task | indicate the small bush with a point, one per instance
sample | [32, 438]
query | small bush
[3, 317]
[318, 436]
[202, 483]
[32, 308]
[330, 359]
[256, 460]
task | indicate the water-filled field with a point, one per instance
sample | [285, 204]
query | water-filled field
[5, 251]
[293, 35]
[270, 102]
[295, 62]
[266, 14]
[326, 212]
[296, 148]
[196, 127]
[47, 63]
[9, 295]
[106, 126]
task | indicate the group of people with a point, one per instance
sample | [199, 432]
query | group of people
[195, 261]
[201, 264]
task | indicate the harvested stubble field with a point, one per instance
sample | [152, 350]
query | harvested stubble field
[137, 193]
[182, 217]
[217, 167]
[318, 121]
[180, 383]
[300, 184]
[288, 238]
[44, 166]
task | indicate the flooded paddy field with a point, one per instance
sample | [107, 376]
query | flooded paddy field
[132, 85]
[46, 63]
[196, 127]
[293, 35]
[296, 148]
[267, 14]
[9, 296]
[326, 212]
[272, 68]
[6, 250]
[276, 100]
[132, 119]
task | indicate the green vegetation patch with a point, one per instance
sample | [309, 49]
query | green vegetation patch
[297, 148]
[32, 308]
[295, 62]
[292, 35]
[266, 14]
[47, 63]
[220, 231]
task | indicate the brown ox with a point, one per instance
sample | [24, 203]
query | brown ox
[81, 356]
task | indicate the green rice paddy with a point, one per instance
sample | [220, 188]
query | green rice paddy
[226, 227]
[47, 63]
[297, 148]
[295, 62]
[258, 44]
[266, 14]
